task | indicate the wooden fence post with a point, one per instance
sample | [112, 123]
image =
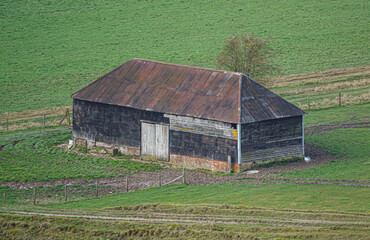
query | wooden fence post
[228, 164]
[65, 193]
[69, 120]
[34, 195]
[340, 99]
[97, 190]
[126, 183]
[183, 176]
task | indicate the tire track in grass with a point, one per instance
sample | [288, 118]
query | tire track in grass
[214, 219]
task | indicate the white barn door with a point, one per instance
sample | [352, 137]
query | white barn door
[154, 140]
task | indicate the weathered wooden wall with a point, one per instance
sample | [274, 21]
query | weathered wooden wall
[201, 146]
[202, 126]
[188, 136]
[271, 139]
[202, 138]
[110, 124]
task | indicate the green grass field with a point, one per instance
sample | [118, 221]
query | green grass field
[52, 49]
[350, 146]
[352, 113]
[277, 196]
[321, 89]
[29, 155]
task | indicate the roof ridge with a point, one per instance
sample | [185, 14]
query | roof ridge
[193, 67]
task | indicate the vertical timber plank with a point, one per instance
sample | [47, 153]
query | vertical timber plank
[162, 143]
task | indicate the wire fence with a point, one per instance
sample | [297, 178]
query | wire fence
[92, 189]
[311, 102]
[51, 117]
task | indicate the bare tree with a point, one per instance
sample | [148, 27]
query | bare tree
[247, 54]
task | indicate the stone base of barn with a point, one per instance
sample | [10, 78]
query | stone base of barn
[122, 149]
[194, 162]
[268, 162]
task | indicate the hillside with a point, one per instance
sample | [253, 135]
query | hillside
[51, 49]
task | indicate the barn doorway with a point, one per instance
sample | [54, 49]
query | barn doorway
[155, 140]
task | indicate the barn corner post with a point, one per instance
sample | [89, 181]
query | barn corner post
[303, 135]
[239, 124]
[239, 145]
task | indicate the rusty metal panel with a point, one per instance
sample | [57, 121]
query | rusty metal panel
[260, 104]
[167, 88]
[187, 91]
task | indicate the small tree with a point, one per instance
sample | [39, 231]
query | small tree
[247, 54]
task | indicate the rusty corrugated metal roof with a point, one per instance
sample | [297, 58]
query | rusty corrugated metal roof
[187, 91]
[259, 104]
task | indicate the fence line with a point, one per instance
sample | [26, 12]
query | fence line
[68, 192]
[42, 119]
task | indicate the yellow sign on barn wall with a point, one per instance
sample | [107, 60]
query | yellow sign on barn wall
[234, 132]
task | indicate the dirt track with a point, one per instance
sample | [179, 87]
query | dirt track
[190, 218]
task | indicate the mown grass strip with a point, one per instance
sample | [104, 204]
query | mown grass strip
[279, 196]
[57, 227]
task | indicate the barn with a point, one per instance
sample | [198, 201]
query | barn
[192, 117]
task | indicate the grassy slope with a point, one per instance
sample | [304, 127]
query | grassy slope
[28, 155]
[350, 145]
[37, 227]
[353, 113]
[322, 88]
[278, 196]
[51, 49]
